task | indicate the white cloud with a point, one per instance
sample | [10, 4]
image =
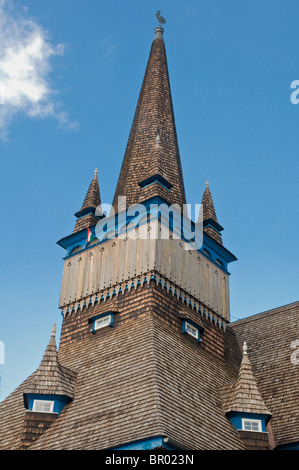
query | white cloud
[25, 64]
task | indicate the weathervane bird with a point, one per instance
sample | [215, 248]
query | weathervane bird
[160, 18]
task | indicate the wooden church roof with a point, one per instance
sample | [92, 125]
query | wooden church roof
[144, 376]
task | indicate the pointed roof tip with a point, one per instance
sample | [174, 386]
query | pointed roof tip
[209, 217]
[243, 395]
[144, 157]
[208, 204]
[93, 198]
[50, 378]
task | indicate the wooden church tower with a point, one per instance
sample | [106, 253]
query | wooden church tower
[146, 358]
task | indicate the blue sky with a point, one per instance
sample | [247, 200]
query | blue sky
[73, 71]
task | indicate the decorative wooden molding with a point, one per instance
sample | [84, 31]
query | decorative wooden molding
[117, 262]
[143, 280]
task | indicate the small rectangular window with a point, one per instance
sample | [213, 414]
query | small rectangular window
[251, 425]
[192, 329]
[102, 322]
[43, 406]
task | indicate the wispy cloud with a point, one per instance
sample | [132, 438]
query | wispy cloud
[107, 47]
[25, 65]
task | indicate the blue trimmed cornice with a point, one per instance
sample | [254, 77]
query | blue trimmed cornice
[151, 207]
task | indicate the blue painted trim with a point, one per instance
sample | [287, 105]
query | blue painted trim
[156, 179]
[59, 400]
[196, 325]
[82, 214]
[122, 219]
[145, 444]
[101, 315]
[290, 446]
[236, 417]
[212, 223]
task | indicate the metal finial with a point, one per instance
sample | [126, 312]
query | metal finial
[53, 330]
[160, 18]
[207, 183]
[96, 172]
[245, 348]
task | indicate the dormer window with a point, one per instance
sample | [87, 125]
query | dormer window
[45, 403]
[253, 422]
[193, 329]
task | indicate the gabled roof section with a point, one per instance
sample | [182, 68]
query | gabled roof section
[91, 205]
[243, 396]
[152, 147]
[51, 378]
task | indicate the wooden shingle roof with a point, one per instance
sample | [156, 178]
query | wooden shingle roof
[139, 379]
[51, 378]
[272, 341]
[208, 215]
[91, 206]
[244, 396]
[153, 121]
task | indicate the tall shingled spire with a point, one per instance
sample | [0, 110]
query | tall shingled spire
[91, 205]
[147, 170]
[209, 218]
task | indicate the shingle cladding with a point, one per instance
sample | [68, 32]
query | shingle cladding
[51, 378]
[144, 377]
[139, 379]
[153, 120]
[91, 205]
[271, 337]
[12, 418]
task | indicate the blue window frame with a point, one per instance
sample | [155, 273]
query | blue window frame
[193, 329]
[101, 321]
